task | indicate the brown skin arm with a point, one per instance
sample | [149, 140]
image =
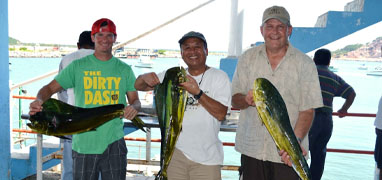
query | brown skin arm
[135, 105]
[215, 108]
[348, 102]
[43, 94]
[241, 101]
[304, 122]
[146, 82]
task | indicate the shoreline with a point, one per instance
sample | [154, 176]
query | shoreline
[359, 59]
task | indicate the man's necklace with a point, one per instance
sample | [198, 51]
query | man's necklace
[201, 79]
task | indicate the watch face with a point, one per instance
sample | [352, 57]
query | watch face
[191, 101]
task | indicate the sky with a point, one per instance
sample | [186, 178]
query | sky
[61, 22]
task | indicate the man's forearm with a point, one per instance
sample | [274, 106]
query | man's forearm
[215, 108]
[304, 122]
[238, 101]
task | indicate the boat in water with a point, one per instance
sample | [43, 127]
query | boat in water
[145, 61]
[333, 69]
[377, 71]
[363, 67]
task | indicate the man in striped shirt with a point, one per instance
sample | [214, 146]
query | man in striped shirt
[332, 86]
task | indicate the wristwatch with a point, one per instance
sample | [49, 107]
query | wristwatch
[198, 95]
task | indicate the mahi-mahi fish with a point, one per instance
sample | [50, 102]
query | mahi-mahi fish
[59, 119]
[273, 112]
[170, 103]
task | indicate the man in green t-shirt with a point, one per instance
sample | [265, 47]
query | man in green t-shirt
[98, 79]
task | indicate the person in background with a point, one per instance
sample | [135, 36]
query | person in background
[199, 152]
[378, 141]
[85, 47]
[102, 151]
[332, 86]
[295, 76]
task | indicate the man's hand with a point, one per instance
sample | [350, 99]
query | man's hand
[35, 106]
[249, 98]
[286, 158]
[342, 112]
[151, 80]
[130, 112]
[191, 85]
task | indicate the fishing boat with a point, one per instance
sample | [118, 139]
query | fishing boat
[377, 71]
[145, 61]
[362, 67]
[333, 69]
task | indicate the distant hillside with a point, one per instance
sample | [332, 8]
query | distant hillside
[368, 50]
[13, 41]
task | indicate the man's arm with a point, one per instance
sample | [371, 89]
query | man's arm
[146, 82]
[348, 102]
[241, 101]
[215, 108]
[134, 105]
[44, 94]
[303, 124]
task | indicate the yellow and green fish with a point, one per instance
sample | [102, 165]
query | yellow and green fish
[170, 103]
[273, 112]
[59, 119]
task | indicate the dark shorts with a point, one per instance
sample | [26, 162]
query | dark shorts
[378, 148]
[265, 170]
[111, 164]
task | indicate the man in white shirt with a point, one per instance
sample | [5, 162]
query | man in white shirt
[85, 47]
[198, 151]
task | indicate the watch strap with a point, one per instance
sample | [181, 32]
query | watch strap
[198, 95]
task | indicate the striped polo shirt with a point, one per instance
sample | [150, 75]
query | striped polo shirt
[332, 85]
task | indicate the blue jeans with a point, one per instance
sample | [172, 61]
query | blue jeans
[319, 136]
[67, 161]
[378, 148]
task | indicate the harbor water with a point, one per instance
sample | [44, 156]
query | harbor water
[348, 133]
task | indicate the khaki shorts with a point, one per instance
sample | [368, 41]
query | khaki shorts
[181, 168]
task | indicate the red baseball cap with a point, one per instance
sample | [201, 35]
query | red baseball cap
[109, 27]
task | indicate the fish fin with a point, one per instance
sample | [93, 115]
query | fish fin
[138, 123]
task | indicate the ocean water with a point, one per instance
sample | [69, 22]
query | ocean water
[348, 133]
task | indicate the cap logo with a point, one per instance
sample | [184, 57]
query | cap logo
[104, 29]
[274, 11]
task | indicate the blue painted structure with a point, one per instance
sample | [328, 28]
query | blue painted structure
[5, 153]
[337, 25]
[22, 168]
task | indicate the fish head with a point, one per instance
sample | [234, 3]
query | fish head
[260, 97]
[259, 92]
[40, 122]
[182, 75]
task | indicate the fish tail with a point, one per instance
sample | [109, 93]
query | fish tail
[138, 123]
[161, 176]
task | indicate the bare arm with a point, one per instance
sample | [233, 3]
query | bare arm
[348, 102]
[241, 101]
[134, 105]
[214, 107]
[303, 124]
[44, 94]
[146, 82]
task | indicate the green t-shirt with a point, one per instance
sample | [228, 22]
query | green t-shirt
[97, 83]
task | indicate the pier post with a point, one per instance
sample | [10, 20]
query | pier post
[5, 131]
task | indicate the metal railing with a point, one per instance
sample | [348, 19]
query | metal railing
[148, 146]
